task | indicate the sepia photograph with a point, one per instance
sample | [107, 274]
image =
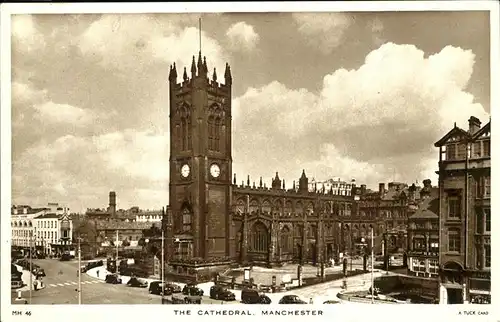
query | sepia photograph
[235, 157]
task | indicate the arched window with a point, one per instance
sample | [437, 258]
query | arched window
[211, 133]
[266, 206]
[278, 205]
[189, 133]
[288, 207]
[186, 220]
[298, 231]
[299, 208]
[240, 206]
[254, 206]
[312, 232]
[218, 125]
[183, 134]
[286, 240]
[260, 238]
[310, 208]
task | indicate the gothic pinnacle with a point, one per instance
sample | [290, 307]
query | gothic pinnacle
[214, 77]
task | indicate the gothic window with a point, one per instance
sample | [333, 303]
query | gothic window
[211, 133]
[254, 206]
[183, 134]
[312, 232]
[189, 133]
[278, 206]
[299, 209]
[288, 207]
[298, 231]
[266, 206]
[310, 208]
[260, 238]
[240, 207]
[286, 240]
[186, 220]
[454, 240]
[218, 125]
[328, 208]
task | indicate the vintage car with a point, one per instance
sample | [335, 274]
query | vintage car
[192, 289]
[155, 287]
[291, 299]
[113, 279]
[137, 282]
[218, 292]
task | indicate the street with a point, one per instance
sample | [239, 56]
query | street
[61, 284]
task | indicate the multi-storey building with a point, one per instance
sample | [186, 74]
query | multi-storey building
[423, 233]
[22, 225]
[336, 186]
[53, 230]
[388, 208]
[152, 216]
[465, 214]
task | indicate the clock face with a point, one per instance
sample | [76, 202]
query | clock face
[185, 171]
[214, 170]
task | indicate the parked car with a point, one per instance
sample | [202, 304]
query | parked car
[291, 299]
[192, 289]
[174, 287]
[155, 287]
[218, 292]
[113, 279]
[331, 302]
[136, 282]
[251, 296]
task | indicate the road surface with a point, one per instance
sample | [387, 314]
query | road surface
[61, 284]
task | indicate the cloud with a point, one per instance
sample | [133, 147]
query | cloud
[376, 122]
[134, 42]
[88, 167]
[242, 36]
[25, 37]
[63, 113]
[324, 31]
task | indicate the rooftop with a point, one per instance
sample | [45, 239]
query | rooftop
[429, 205]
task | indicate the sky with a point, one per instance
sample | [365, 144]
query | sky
[359, 96]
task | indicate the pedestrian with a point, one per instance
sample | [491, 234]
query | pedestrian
[97, 273]
[35, 284]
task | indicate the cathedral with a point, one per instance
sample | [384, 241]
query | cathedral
[212, 218]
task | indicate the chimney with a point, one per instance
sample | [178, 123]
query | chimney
[411, 191]
[112, 203]
[474, 125]
[381, 189]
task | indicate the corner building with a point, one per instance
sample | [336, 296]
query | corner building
[465, 214]
[211, 218]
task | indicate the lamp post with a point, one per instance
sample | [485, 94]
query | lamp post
[79, 272]
[116, 265]
[162, 261]
[371, 268]
[31, 263]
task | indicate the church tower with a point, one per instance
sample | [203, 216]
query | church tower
[200, 161]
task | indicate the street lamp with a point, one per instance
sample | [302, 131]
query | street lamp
[79, 272]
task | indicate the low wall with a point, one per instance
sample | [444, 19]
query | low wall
[408, 284]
